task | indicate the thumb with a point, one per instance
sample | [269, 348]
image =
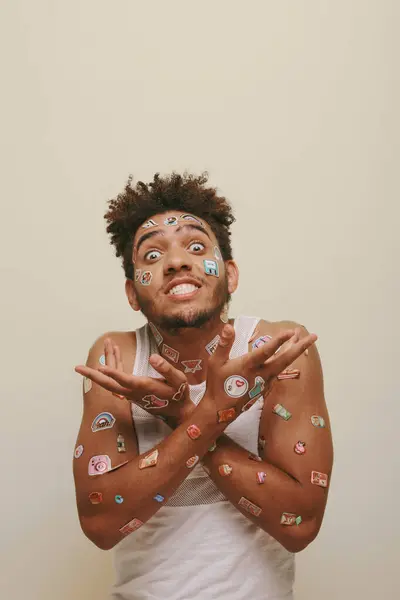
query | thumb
[227, 337]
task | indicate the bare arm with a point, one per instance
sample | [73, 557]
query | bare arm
[138, 487]
[286, 486]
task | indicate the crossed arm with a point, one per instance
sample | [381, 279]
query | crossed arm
[284, 484]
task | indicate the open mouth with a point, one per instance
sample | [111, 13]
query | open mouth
[183, 291]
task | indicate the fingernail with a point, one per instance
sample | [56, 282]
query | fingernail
[157, 361]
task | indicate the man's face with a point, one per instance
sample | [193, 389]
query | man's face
[180, 277]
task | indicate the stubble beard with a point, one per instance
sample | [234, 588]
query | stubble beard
[186, 319]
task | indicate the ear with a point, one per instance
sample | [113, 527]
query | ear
[131, 294]
[232, 272]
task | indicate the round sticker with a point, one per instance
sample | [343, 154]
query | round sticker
[171, 221]
[236, 386]
[119, 499]
[78, 451]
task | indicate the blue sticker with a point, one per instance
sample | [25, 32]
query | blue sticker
[119, 499]
[159, 498]
[102, 360]
[171, 221]
[211, 267]
[104, 420]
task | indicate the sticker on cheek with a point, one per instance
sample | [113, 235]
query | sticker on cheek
[171, 221]
[213, 345]
[149, 461]
[193, 460]
[78, 451]
[146, 278]
[151, 401]
[131, 526]
[211, 267]
[104, 420]
[149, 223]
[96, 497]
[138, 273]
[300, 448]
[157, 335]
[261, 341]
[170, 353]
[87, 385]
[251, 508]
[191, 366]
[102, 360]
[289, 374]
[320, 479]
[236, 386]
[217, 253]
[121, 443]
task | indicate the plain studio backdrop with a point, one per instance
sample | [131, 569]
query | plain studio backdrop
[292, 107]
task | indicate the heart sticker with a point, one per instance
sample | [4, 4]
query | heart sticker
[236, 386]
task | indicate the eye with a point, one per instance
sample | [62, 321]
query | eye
[152, 255]
[196, 246]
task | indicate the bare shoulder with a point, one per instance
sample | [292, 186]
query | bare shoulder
[125, 340]
[272, 328]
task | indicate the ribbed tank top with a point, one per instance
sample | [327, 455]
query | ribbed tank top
[198, 546]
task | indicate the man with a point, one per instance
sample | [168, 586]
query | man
[209, 466]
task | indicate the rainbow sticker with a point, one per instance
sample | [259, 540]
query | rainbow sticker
[104, 420]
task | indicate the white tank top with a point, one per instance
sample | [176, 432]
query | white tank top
[198, 546]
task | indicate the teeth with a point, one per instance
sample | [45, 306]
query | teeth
[183, 288]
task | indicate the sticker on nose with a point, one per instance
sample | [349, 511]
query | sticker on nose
[146, 278]
[211, 267]
[171, 221]
[236, 386]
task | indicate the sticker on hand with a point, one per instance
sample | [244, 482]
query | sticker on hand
[236, 386]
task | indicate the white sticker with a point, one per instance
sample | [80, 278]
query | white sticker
[171, 221]
[217, 253]
[78, 451]
[157, 335]
[102, 360]
[236, 386]
[104, 420]
[87, 385]
[191, 366]
[149, 223]
[170, 353]
[146, 278]
[212, 346]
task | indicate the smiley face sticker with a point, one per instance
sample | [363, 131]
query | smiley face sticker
[236, 386]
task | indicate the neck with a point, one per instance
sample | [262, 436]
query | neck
[188, 349]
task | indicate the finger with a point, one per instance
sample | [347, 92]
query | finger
[260, 355]
[174, 377]
[118, 359]
[109, 353]
[286, 358]
[139, 385]
[105, 382]
[222, 351]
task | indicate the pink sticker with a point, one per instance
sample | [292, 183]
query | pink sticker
[251, 508]
[320, 479]
[193, 460]
[191, 366]
[193, 432]
[131, 526]
[99, 464]
[300, 448]
[149, 461]
[151, 402]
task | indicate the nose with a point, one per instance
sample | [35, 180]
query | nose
[177, 260]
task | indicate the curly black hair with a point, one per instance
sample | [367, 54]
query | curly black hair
[186, 193]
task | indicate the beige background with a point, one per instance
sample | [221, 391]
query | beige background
[292, 107]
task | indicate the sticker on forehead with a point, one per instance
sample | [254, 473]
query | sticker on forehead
[151, 401]
[170, 353]
[191, 366]
[236, 386]
[104, 420]
[190, 218]
[138, 273]
[261, 341]
[212, 346]
[157, 335]
[217, 253]
[171, 221]
[211, 267]
[146, 278]
[149, 223]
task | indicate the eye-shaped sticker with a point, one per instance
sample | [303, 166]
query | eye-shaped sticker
[171, 221]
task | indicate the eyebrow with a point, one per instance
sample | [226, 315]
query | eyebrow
[187, 226]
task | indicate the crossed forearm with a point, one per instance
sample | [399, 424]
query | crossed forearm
[239, 479]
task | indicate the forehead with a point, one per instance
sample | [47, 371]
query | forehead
[168, 222]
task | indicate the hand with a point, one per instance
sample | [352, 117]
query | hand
[239, 382]
[165, 397]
